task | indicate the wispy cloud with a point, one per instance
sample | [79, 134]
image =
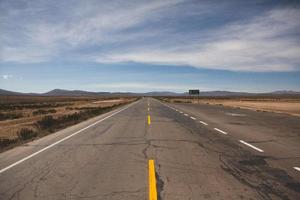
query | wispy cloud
[6, 76]
[265, 43]
[156, 32]
[78, 26]
[137, 86]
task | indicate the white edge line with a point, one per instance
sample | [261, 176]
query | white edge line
[61, 140]
[297, 168]
[193, 118]
[202, 122]
[250, 145]
[225, 133]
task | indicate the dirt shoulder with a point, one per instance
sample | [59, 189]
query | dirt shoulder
[23, 118]
[279, 105]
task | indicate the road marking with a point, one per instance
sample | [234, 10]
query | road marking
[236, 114]
[149, 120]
[202, 122]
[193, 118]
[148, 109]
[152, 181]
[297, 168]
[180, 112]
[59, 141]
[186, 114]
[250, 145]
[220, 131]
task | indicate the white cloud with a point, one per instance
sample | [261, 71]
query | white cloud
[142, 31]
[6, 76]
[262, 44]
[143, 86]
[81, 25]
[25, 54]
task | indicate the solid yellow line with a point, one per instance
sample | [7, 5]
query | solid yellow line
[149, 120]
[152, 181]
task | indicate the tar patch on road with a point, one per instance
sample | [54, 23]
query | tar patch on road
[294, 186]
[159, 185]
[255, 160]
[269, 182]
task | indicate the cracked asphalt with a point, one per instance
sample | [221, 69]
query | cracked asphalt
[110, 159]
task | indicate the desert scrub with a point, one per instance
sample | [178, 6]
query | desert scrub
[46, 123]
[6, 116]
[26, 134]
[5, 142]
[51, 124]
[42, 112]
[32, 106]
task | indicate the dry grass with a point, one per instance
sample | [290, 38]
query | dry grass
[34, 108]
[270, 104]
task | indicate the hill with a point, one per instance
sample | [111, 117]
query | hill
[61, 92]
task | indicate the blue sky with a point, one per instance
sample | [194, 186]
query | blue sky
[140, 46]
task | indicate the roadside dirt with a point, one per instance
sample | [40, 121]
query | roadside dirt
[32, 111]
[287, 106]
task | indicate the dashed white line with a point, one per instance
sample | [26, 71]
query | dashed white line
[59, 141]
[193, 118]
[250, 145]
[186, 114]
[223, 132]
[297, 168]
[181, 112]
[202, 122]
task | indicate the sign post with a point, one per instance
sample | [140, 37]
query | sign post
[194, 92]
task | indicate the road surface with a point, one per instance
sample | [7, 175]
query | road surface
[199, 151]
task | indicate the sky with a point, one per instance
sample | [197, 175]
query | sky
[142, 46]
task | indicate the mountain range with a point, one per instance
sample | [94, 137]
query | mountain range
[60, 92]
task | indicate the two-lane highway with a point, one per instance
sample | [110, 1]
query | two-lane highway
[109, 157]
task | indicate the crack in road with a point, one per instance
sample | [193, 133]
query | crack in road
[249, 169]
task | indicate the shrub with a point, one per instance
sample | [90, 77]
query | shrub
[5, 116]
[50, 124]
[177, 101]
[41, 112]
[52, 111]
[4, 142]
[26, 134]
[46, 122]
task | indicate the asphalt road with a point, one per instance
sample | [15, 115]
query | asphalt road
[200, 152]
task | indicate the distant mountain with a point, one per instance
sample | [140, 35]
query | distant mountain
[9, 93]
[286, 92]
[165, 93]
[224, 93]
[60, 92]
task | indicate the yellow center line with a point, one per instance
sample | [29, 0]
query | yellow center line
[152, 181]
[149, 120]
